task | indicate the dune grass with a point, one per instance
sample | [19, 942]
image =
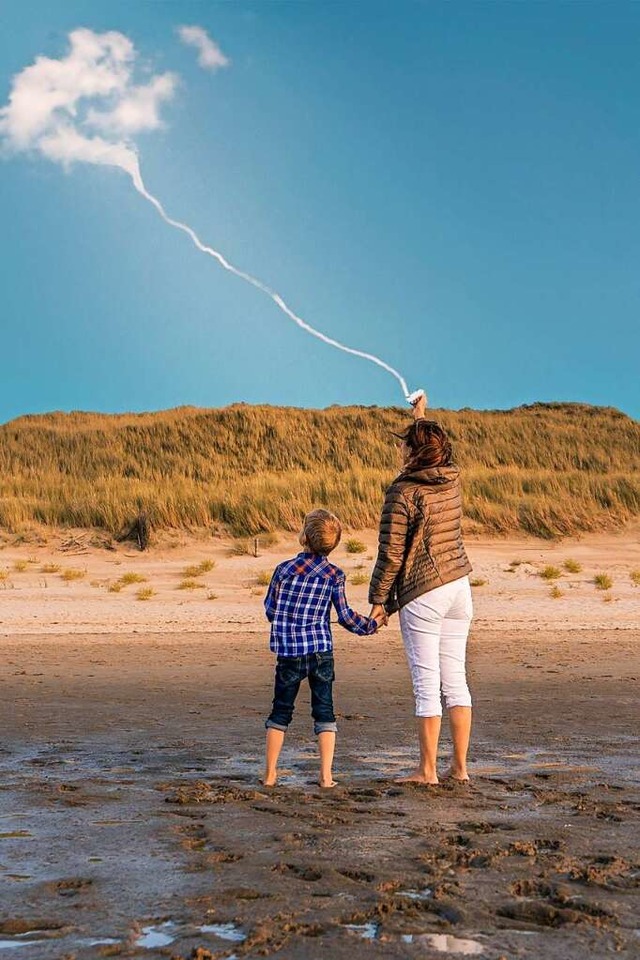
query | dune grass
[548, 469]
[550, 572]
[357, 579]
[572, 566]
[50, 568]
[634, 576]
[190, 584]
[19, 566]
[478, 582]
[145, 593]
[556, 593]
[603, 581]
[355, 546]
[198, 569]
[131, 577]
[263, 579]
[71, 574]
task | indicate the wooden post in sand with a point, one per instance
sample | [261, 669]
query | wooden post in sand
[255, 547]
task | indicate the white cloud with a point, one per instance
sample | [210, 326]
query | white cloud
[86, 106]
[210, 56]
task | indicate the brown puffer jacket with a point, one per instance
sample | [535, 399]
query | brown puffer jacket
[420, 543]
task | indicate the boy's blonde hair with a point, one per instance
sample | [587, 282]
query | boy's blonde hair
[321, 531]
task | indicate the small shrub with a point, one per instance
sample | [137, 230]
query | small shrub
[263, 579]
[240, 548]
[355, 546]
[50, 568]
[95, 583]
[145, 593]
[115, 587]
[189, 584]
[602, 581]
[635, 577]
[20, 566]
[128, 578]
[197, 569]
[70, 574]
[556, 592]
[550, 573]
[357, 579]
[572, 566]
[268, 539]
[478, 582]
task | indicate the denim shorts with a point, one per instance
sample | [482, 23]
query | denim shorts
[318, 669]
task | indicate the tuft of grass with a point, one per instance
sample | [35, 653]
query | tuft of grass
[572, 566]
[240, 548]
[355, 546]
[4, 576]
[128, 578]
[556, 592]
[263, 579]
[550, 573]
[189, 584]
[357, 579]
[478, 582]
[72, 574]
[608, 597]
[115, 587]
[19, 566]
[602, 581]
[635, 577]
[268, 539]
[212, 596]
[145, 593]
[197, 569]
[50, 568]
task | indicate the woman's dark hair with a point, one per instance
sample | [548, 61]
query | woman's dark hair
[429, 445]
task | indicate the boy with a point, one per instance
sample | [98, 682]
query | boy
[298, 604]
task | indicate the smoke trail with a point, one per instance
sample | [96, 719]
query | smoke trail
[138, 183]
[86, 107]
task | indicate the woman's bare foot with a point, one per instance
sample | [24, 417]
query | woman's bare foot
[269, 781]
[461, 776]
[419, 776]
[327, 784]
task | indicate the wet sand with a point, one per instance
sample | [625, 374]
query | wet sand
[132, 822]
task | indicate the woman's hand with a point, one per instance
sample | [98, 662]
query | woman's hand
[379, 614]
[420, 407]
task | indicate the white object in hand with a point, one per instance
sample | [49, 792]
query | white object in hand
[415, 396]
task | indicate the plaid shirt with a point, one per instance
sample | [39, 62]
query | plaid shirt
[298, 604]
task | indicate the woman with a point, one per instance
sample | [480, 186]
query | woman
[422, 571]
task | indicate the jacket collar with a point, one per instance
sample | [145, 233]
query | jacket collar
[432, 476]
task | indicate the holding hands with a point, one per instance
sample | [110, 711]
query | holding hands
[379, 614]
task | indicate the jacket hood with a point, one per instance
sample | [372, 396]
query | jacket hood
[431, 476]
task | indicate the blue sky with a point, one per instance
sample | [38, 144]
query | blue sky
[453, 187]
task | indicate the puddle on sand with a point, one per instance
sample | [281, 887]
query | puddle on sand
[368, 931]
[415, 894]
[9, 944]
[160, 936]
[444, 943]
[225, 931]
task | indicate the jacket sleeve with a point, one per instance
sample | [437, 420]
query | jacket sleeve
[348, 618]
[392, 539]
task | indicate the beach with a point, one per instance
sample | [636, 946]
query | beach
[133, 822]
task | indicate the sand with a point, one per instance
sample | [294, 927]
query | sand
[132, 822]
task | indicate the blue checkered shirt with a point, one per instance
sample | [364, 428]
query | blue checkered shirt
[298, 604]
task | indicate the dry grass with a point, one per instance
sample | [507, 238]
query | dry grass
[19, 566]
[263, 579]
[212, 596]
[556, 592]
[355, 546]
[357, 579]
[603, 581]
[236, 468]
[550, 573]
[4, 576]
[72, 574]
[198, 569]
[50, 568]
[478, 582]
[128, 578]
[240, 548]
[145, 593]
[189, 584]
[572, 566]
[115, 587]
[635, 577]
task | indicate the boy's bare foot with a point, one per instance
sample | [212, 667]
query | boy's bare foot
[418, 776]
[327, 784]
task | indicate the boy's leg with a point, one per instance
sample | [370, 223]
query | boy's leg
[321, 677]
[289, 675]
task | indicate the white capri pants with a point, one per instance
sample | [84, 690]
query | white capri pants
[435, 627]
